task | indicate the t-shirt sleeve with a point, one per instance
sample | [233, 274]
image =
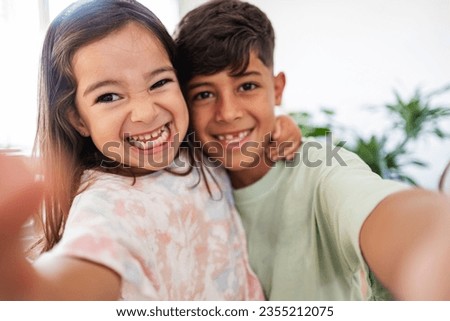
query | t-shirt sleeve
[349, 191]
[100, 230]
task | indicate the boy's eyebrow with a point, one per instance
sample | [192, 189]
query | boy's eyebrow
[205, 83]
[197, 84]
[247, 73]
[147, 75]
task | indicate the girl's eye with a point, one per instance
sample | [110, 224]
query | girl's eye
[107, 98]
[160, 83]
[202, 95]
[247, 86]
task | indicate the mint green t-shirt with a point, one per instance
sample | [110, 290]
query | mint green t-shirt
[303, 219]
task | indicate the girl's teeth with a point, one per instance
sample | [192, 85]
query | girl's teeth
[139, 144]
[153, 143]
[159, 136]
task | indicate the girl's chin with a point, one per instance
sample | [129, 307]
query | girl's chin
[145, 160]
[151, 162]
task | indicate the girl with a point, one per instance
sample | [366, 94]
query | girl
[138, 221]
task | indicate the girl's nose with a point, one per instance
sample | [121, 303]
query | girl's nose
[144, 110]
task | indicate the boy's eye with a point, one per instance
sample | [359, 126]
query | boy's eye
[247, 86]
[202, 95]
[160, 83]
[107, 98]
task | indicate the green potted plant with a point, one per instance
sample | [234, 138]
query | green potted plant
[410, 119]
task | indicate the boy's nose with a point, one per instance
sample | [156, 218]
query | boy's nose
[144, 111]
[228, 110]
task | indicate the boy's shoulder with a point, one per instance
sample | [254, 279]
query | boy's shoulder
[321, 155]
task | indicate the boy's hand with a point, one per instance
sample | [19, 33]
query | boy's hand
[286, 139]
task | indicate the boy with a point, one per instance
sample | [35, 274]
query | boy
[316, 227]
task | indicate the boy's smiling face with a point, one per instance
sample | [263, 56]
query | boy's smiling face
[233, 116]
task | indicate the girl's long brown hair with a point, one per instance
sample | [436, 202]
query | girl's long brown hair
[63, 152]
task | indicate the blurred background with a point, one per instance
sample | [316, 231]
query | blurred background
[375, 72]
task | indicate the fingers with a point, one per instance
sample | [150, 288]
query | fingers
[292, 149]
[277, 130]
[20, 194]
[287, 138]
[284, 151]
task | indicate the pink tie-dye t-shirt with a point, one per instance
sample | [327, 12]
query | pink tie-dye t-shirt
[166, 236]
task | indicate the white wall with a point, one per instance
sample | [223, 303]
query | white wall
[21, 36]
[19, 55]
[345, 54]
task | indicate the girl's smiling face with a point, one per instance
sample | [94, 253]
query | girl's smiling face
[128, 99]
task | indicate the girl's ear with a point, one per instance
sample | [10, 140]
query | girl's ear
[279, 83]
[77, 122]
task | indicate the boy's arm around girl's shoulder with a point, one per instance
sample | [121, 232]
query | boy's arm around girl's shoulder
[51, 278]
[406, 243]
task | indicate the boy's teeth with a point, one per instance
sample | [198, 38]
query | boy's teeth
[233, 137]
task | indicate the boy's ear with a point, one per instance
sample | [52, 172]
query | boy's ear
[77, 122]
[279, 83]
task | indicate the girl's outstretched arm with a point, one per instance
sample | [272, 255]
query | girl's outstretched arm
[47, 279]
[406, 243]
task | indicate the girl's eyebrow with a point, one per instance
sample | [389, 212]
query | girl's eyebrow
[158, 71]
[103, 83]
[99, 84]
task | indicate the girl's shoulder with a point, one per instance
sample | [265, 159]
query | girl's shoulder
[95, 179]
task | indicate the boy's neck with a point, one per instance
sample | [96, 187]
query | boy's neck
[248, 176]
